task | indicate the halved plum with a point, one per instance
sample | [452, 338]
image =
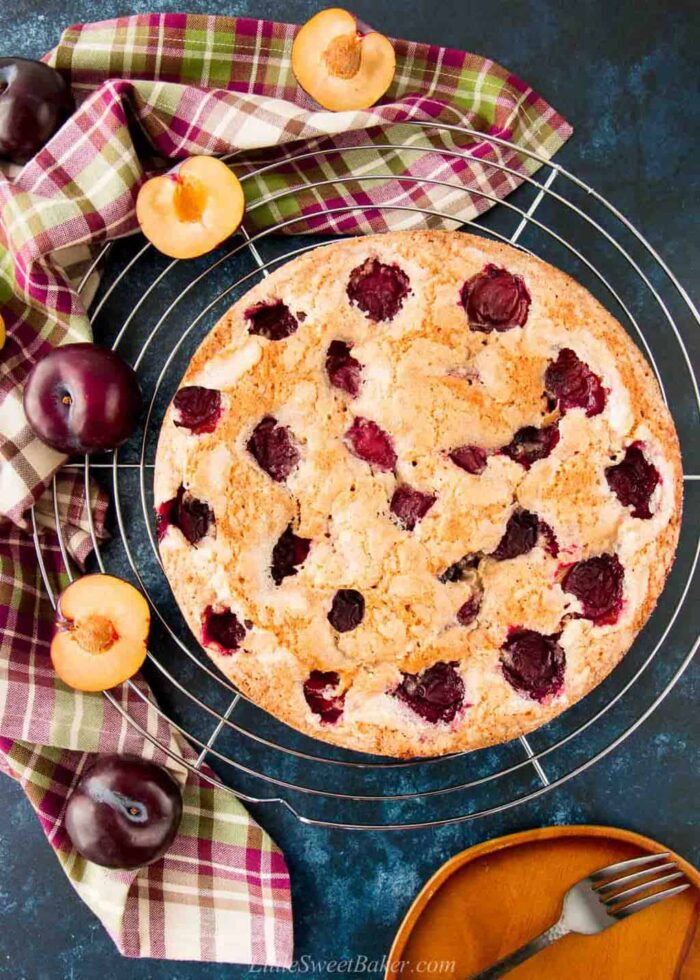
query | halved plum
[572, 383]
[198, 409]
[192, 209]
[378, 289]
[533, 664]
[495, 299]
[319, 691]
[598, 584]
[369, 442]
[222, 630]
[469, 610]
[472, 459]
[436, 694]
[347, 610]
[273, 320]
[100, 633]
[633, 481]
[410, 506]
[288, 554]
[344, 371]
[339, 65]
[520, 536]
[530, 444]
[273, 448]
[192, 516]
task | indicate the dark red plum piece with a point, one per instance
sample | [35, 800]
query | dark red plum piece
[344, 371]
[378, 289]
[198, 408]
[289, 553]
[124, 812]
[272, 447]
[369, 442]
[410, 506]
[572, 383]
[81, 398]
[533, 664]
[530, 444]
[436, 694]
[164, 516]
[548, 539]
[318, 691]
[347, 610]
[469, 610]
[192, 516]
[222, 629]
[457, 572]
[35, 101]
[633, 481]
[274, 320]
[470, 458]
[495, 299]
[597, 583]
[520, 536]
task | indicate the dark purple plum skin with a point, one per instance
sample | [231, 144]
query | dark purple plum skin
[124, 812]
[34, 102]
[81, 398]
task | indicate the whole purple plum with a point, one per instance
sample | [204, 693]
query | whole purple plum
[34, 101]
[124, 812]
[81, 398]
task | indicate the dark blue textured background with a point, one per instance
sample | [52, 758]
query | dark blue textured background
[626, 75]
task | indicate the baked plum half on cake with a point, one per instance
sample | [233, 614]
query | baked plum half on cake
[417, 493]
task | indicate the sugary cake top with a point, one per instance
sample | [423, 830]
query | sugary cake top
[417, 493]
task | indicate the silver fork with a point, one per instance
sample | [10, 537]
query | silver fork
[599, 901]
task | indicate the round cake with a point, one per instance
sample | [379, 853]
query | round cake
[417, 493]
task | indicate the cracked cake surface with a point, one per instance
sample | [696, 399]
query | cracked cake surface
[422, 495]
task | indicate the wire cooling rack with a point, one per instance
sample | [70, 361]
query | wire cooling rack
[157, 313]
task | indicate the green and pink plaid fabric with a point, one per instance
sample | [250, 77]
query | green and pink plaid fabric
[222, 891]
[151, 90]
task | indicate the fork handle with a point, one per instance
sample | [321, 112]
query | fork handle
[506, 964]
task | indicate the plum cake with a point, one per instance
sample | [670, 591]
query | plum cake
[417, 493]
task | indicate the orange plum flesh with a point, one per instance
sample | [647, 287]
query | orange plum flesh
[339, 67]
[191, 210]
[100, 633]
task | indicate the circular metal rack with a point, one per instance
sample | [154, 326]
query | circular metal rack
[158, 311]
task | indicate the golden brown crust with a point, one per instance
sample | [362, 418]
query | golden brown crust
[433, 384]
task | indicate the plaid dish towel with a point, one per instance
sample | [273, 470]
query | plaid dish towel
[222, 891]
[150, 90]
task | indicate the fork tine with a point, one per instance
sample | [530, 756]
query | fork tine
[603, 873]
[645, 903]
[645, 886]
[635, 876]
